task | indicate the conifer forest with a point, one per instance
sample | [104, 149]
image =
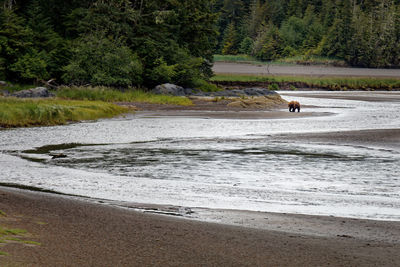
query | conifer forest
[143, 43]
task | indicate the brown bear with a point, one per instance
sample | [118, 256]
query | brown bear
[293, 105]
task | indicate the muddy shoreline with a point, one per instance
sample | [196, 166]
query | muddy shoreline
[73, 232]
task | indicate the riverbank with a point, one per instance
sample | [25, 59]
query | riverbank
[238, 75]
[73, 104]
[46, 112]
[74, 232]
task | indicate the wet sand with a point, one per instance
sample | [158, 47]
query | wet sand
[80, 233]
[298, 70]
[245, 115]
[385, 138]
[204, 108]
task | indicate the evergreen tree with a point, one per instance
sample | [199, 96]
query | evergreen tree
[340, 33]
[230, 41]
[16, 42]
[268, 45]
[255, 18]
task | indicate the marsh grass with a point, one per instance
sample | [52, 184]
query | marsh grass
[112, 95]
[33, 112]
[339, 83]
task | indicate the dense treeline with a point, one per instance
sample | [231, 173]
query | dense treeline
[148, 42]
[361, 32]
[107, 42]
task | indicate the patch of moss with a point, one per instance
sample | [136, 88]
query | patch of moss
[29, 242]
[6, 231]
[2, 253]
[15, 235]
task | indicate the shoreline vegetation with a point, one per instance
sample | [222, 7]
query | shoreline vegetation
[295, 60]
[48, 112]
[303, 82]
[73, 104]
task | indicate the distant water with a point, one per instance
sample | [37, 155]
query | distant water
[218, 163]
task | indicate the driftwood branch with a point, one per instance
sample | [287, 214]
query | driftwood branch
[50, 83]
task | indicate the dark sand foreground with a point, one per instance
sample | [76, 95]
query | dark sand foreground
[81, 233]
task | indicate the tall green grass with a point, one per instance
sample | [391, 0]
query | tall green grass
[311, 60]
[340, 83]
[236, 58]
[301, 60]
[112, 95]
[22, 112]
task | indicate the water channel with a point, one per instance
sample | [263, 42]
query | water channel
[218, 163]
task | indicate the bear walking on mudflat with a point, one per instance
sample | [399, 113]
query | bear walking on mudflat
[293, 105]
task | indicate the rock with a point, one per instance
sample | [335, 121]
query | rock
[4, 93]
[33, 93]
[58, 156]
[169, 89]
[3, 83]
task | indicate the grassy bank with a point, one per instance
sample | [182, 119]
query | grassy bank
[113, 95]
[24, 112]
[294, 82]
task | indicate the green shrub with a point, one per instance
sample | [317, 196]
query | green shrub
[162, 73]
[273, 87]
[100, 61]
[205, 86]
[246, 46]
[31, 66]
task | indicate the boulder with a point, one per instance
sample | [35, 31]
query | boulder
[33, 93]
[3, 84]
[169, 89]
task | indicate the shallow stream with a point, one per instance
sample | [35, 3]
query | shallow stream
[218, 163]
